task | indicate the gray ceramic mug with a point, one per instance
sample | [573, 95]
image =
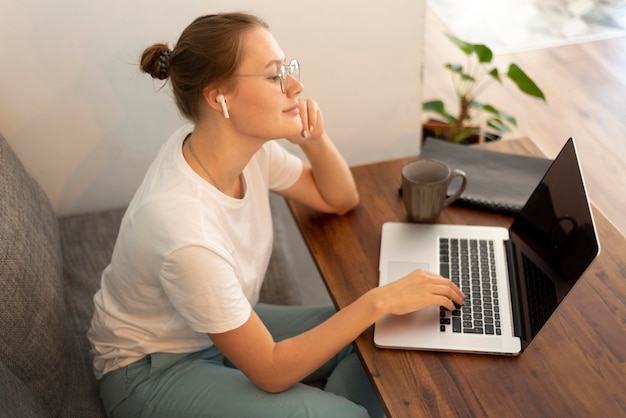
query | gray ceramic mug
[424, 188]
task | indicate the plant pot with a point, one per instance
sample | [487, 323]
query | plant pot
[437, 129]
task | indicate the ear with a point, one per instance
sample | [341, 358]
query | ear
[210, 94]
[222, 101]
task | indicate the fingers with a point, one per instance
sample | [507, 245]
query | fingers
[450, 299]
[311, 120]
[309, 114]
[304, 117]
[448, 293]
[420, 289]
[447, 303]
[454, 293]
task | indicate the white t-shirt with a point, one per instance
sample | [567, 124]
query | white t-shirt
[188, 259]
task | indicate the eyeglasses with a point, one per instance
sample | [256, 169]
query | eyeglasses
[292, 69]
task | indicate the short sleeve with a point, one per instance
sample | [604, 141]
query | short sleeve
[284, 168]
[204, 290]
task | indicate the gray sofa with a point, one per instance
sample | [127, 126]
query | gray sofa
[49, 270]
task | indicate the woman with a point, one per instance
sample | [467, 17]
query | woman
[177, 330]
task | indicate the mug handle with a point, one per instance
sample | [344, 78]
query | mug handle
[457, 194]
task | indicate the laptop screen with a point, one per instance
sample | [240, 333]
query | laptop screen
[553, 242]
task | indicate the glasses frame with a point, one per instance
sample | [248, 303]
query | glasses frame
[285, 70]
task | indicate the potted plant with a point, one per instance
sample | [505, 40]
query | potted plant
[475, 119]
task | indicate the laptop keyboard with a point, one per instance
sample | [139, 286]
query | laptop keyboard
[469, 263]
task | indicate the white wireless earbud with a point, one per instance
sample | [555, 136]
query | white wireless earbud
[221, 100]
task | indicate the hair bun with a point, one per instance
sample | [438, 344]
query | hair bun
[154, 61]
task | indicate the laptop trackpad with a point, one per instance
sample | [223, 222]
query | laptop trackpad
[399, 269]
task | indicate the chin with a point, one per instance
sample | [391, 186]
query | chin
[286, 133]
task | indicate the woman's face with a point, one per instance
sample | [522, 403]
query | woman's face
[257, 106]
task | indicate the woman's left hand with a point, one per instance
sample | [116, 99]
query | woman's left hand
[312, 122]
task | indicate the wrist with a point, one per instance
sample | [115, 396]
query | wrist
[376, 303]
[314, 142]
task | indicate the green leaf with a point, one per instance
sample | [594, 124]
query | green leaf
[495, 74]
[524, 83]
[498, 125]
[462, 45]
[491, 136]
[438, 107]
[475, 104]
[457, 69]
[501, 115]
[433, 106]
[465, 133]
[483, 53]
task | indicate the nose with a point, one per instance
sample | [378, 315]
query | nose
[294, 86]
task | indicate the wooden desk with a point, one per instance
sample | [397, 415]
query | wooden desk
[576, 366]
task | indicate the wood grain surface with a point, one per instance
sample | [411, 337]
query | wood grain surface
[576, 366]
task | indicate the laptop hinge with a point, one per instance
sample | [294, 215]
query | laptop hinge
[514, 284]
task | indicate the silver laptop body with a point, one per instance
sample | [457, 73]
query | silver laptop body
[534, 264]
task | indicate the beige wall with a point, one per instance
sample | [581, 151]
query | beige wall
[86, 123]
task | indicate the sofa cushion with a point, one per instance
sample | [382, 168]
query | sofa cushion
[32, 334]
[87, 241]
[281, 285]
[15, 398]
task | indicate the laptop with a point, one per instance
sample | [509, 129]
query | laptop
[516, 278]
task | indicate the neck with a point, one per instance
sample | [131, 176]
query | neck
[219, 159]
[204, 169]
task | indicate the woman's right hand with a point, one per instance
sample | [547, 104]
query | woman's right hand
[418, 290]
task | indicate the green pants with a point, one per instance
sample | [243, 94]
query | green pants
[206, 384]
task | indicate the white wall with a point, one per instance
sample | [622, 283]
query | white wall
[86, 123]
